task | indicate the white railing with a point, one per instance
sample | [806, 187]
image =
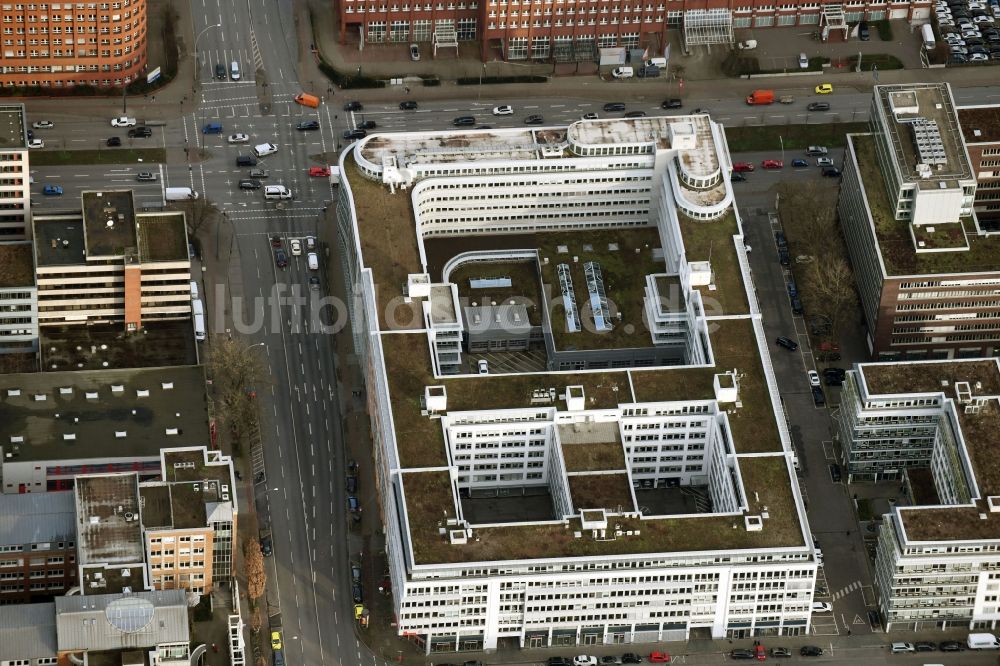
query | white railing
[485, 257]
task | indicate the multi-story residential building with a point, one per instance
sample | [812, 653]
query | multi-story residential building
[18, 299]
[615, 482]
[145, 627]
[15, 181]
[981, 131]
[927, 271]
[57, 425]
[37, 547]
[553, 29]
[61, 45]
[111, 264]
[933, 424]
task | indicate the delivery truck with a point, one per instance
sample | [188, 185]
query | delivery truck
[982, 642]
[760, 97]
[179, 194]
[305, 99]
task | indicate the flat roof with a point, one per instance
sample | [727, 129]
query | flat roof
[160, 344]
[162, 236]
[980, 124]
[59, 239]
[13, 126]
[893, 236]
[519, 143]
[109, 222]
[37, 518]
[107, 519]
[908, 107]
[17, 266]
[28, 630]
[104, 414]
[980, 432]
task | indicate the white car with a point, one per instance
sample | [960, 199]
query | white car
[310, 243]
[36, 143]
[43, 124]
[265, 149]
[504, 110]
[978, 57]
[296, 246]
[803, 61]
[824, 162]
[238, 138]
[415, 52]
[123, 121]
[982, 19]
[813, 378]
[822, 607]
[584, 660]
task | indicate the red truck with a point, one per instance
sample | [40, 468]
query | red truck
[760, 97]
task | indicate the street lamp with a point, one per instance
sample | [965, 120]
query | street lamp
[197, 56]
[782, 142]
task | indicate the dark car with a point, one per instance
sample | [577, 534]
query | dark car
[811, 651]
[925, 646]
[950, 646]
[408, 105]
[610, 660]
[355, 134]
[246, 161]
[558, 661]
[784, 258]
[840, 373]
[464, 121]
[367, 125]
[220, 71]
[779, 239]
[352, 484]
[863, 33]
[141, 132]
[280, 258]
[534, 120]
[787, 343]
[741, 653]
[631, 658]
[484, 127]
[738, 178]
[258, 173]
[672, 103]
[831, 172]
[818, 106]
[798, 163]
[357, 593]
[819, 398]
[308, 125]
[145, 176]
[265, 546]
[355, 572]
[650, 72]
[354, 106]
[635, 114]
[353, 505]
[249, 184]
[780, 652]
[835, 473]
[614, 106]
[833, 380]
[797, 305]
[113, 142]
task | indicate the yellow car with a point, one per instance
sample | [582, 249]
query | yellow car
[275, 640]
[824, 89]
[358, 610]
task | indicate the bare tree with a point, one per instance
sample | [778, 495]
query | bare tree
[198, 212]
[237, 372]
[832, 283]
[256, 619]
[253, 562]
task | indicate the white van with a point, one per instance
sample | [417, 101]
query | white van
[623, 72]
[277, 192]
[983, 642]
[265, 149]
[198, 316]
[234, 71]
[179, 194]
[194, 290]
[657, 62]
[313, 261]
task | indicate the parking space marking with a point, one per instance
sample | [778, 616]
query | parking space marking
[828, 450]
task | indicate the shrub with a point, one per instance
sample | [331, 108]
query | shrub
[475, 80]
[348, 81]
[884, 30]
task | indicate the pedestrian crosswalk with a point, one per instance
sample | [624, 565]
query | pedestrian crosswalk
[856, 585]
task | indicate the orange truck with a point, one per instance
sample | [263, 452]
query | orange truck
[305, 99]
[760, 97]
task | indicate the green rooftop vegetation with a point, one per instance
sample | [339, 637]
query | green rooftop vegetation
[525, 287]
[592, 457]
[893, 235]
[601, 491]
[713, 241]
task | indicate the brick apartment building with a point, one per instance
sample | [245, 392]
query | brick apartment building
[574, 30]
[928, 272]
[981, 131]
[37, 547]
[65, 44]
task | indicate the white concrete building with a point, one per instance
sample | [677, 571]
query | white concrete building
[938, 557]
[18, 299]
[15, 178]
[636, 483]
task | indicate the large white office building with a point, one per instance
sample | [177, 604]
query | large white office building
[938, 557]
[621, 474]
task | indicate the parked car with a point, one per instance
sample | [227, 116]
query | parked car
[898, 647]
[280, 258]
[611, 660]
[738, 177]
[813, 378]
[803, 61]
[635, 114]
[295, 245]
[123, 121]
[249, 184]
[354, 106]
[835, 473]
[354, 134]
[783, 257]
[787, 343]
[141, 132]
[35, 143]
[319, 171]
[741, 653]
[631, 658]
[534, 119]
[355, 572]
[780, 652]
[43, 124]
[819, 398]
[831, 172]
[798, 163]
[558, 661]
[863, 33]
[357, 593]
[925, 646]
[308, 125]
[824, 162]
[614, 106]
[818, 106]
[589, 116]
[672, 103]
[951, 646]
[258, 173]
[772, 164]
[52, 190]
[504, 110]
[811, 651]
[220, 71]
[238, 138]
[584, 660]
[414, 52]
[275, 640]
[822, 607]
[740, 167]
[265, 546]
[353, 505]
[817, 151]
[408, 105]
[314, 283]
[779, 239]
[657, 657]
[352, 484]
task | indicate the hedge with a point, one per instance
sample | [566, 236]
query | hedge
[475, 80]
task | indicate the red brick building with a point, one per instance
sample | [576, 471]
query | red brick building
[567, 30]
[981, 130]
[65, 44]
